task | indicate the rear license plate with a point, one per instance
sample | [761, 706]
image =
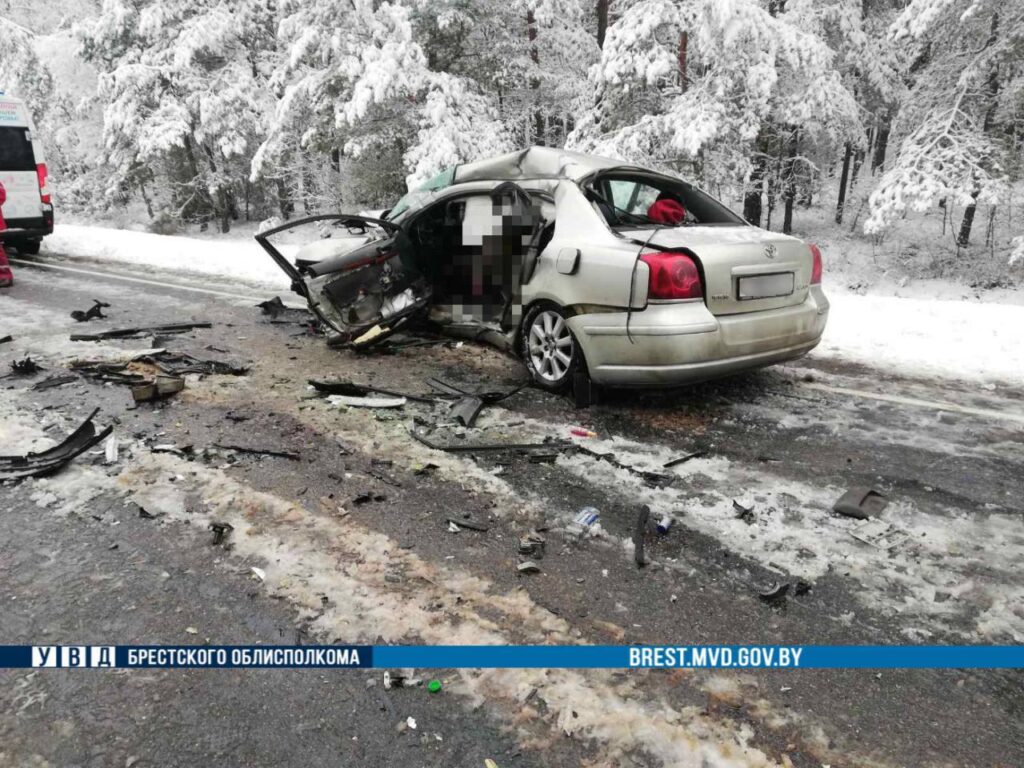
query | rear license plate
[766, 286]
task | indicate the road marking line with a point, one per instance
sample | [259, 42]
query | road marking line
[935, 405]
[120, 276]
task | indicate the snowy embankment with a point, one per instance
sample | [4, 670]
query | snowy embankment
[225, 259]
[968, 340]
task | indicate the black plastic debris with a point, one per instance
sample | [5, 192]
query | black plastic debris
[466, 410]
[746, 514]
[105, 371]
[861, 503]
[258, 451]
[488, 398]
[366, 497]
[180, 364]
[639, 533]
[55, 381]
[95, 311]
[220, 532]
[148, 330]
[25, 367]
[470, 524]
[683, 459]
[652, 479]
[801, 588]
[774, 593]
[6, 339]
[463, 447]
[276, 309]
[583, 390]
[52, 459]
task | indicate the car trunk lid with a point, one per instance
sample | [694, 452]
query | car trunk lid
[745, 269]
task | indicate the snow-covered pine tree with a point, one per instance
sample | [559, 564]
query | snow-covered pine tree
[185, 97]
[958, 125]
[747, 70]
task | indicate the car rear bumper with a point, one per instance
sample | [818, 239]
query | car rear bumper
[28, 229]
[681, 343]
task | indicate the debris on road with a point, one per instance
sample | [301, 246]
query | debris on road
[110, 450]
[664, 524]
[653, 479]
[744, 513]
[101, 370]
[351, 389]
[683, 459]
[580, 432]
[463, 523]
[367, 402]
[52, 459]
[149, 330]
[463, 447]
[861, 503]
[158, 389]
[528, 566]
[56, 380]
[276, 308]
[532, 544]
[434, 686]
[585, 518]
[775, 593]
[258, 451]
[366, 497]
[879, 534]
[466, 410]
[95, 311]
[639, 532]
[180, 364]
[25, 367]
[489, 398]
[220, 532]
[6, 339]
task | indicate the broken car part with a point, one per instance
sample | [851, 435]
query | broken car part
[653, 479]
[351, 389]
[462, 447]
[463, 523]
[746, 514]
[366, 402]
[150, 330]
[180, 364]
[6, 339]
[683, 459]
[259, 451]
[25, 367]
[861, 502]
[54, 381]
[879, 534]
[220, 532]
[158, 389]
[466, 410]
[52, 459]
[774, 594]
[95, 311]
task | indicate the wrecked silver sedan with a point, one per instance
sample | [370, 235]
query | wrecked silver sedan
[580, 264]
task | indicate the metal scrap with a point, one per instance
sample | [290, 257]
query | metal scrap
[653, 479]
[149, 330]
[463, 447]
[95, 311]
[52, 459]
[683, 459]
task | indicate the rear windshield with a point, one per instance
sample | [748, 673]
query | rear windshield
[16, 150]
[633, 200]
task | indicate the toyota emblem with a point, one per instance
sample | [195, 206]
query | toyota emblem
[770, 250]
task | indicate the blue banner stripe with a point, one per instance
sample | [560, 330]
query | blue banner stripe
[522, 656]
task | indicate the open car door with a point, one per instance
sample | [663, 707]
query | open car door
[363, 292]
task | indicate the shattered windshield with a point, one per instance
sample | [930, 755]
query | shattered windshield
[423, 192]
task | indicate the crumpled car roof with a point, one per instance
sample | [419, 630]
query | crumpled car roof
[535, 163]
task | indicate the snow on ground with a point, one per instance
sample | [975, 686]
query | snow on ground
[926, 337]
[233, 259]
[959, 339]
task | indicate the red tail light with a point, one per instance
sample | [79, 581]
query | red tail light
[673, 276]
[815, 264]
[44, 191]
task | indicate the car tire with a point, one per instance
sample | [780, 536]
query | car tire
[549, 349]
[28, 247]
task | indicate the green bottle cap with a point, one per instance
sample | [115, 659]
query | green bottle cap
[434, 686]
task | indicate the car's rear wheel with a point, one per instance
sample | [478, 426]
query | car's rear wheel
[549, 348]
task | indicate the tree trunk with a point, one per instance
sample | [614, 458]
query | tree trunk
[881, 143]
[752, 198]
[789, 176]
[538, 117]
[602, 21]
[684, 40]
[844, 178]
[992, 86]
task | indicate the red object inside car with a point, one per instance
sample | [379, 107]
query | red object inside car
[666, 211]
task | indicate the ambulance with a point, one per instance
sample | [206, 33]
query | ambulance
[28, 210]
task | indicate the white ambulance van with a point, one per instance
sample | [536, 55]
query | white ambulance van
[28, 210]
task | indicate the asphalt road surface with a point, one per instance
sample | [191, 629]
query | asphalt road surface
[354, 541]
